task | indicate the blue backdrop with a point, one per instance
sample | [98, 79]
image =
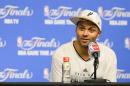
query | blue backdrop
[31, 30]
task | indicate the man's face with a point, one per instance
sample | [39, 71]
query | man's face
[86, 32]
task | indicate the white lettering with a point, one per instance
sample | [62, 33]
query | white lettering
[119, 22]
[9, 73]
[21, 52]
[123, 76]
[45, 53]
[47, 21]
[32, 53]
[10, 10]
[11, 21]
[61, 11]
[59, 21]
[114, 12]
[38, 42]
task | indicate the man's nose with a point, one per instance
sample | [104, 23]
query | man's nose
[85, 32]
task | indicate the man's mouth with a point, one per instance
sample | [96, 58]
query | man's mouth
[84, 40]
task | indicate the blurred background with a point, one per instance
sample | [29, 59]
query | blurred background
[31, 30]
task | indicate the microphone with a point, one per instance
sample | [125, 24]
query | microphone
[94, 50]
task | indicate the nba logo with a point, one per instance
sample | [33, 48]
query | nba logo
[46, 10]
[19, 41]
[127, 43]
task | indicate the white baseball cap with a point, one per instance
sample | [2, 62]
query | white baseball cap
[88, 15]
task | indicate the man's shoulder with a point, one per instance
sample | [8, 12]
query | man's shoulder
[62, 50]
[64, 46]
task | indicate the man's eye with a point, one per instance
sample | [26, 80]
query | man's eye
[92, 30]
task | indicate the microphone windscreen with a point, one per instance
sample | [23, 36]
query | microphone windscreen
[93, 49]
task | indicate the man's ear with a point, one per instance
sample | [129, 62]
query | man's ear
[99, 33]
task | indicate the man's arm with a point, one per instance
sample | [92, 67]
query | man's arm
[56, 68]
[111, 71]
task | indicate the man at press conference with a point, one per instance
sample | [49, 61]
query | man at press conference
[84, 52]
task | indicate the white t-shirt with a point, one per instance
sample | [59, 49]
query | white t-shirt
[82, 70]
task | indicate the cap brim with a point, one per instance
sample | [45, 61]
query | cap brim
[75, 20]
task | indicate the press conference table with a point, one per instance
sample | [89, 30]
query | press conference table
[63, 84]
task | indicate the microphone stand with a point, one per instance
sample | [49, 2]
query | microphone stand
[96, 62]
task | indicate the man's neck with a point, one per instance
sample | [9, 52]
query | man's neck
[81, 50]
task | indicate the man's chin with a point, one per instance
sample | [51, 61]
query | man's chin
[84, 44]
